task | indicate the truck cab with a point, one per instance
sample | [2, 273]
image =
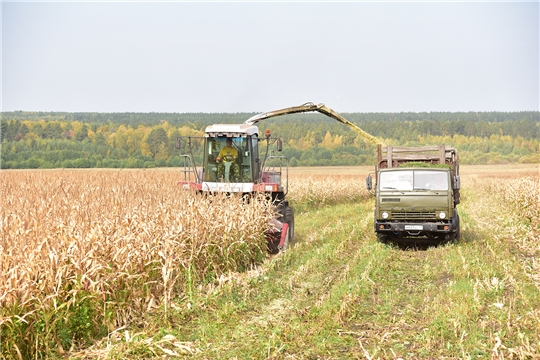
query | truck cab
[416, 194]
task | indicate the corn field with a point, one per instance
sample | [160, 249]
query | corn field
[522, 197]
[308, 192]
[85, 252]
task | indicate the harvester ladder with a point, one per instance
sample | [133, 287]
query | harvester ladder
[189, 169]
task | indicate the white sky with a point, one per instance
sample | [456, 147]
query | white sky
[254, 57]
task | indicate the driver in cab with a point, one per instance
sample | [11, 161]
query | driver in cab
[228, 150]
[229, 154]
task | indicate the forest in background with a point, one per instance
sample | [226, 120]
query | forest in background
[144, 140]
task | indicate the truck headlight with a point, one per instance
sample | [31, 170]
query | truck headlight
[384, 215]
[442, 215]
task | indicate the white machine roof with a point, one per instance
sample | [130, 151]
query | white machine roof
[231, 130]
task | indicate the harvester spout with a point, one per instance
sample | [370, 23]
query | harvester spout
[309, 107]
[331, 113]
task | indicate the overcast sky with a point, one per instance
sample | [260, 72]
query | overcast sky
[254, 57]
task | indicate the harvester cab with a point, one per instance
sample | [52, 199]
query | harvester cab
[232, 162]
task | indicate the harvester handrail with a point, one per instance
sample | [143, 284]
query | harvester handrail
[189, 168]
[281, 166]
[191, 162]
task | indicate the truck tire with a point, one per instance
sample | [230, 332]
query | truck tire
[382, 238]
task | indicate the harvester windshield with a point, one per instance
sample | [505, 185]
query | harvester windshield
[231, 159]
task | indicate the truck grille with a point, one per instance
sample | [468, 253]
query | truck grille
[413, 215]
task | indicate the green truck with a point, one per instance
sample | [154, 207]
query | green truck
[416, 193]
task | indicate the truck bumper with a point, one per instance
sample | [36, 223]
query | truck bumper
[417, 228]
[414, 227]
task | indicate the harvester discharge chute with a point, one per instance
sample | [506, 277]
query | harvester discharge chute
[310, 107]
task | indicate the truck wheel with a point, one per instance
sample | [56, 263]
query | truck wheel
[382, 238]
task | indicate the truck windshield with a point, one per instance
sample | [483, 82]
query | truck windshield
[430, 180]
[413, 180]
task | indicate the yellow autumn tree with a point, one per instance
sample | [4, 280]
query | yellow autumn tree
[327, 141]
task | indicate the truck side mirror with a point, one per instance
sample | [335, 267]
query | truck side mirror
[369, 182]
[457, 182]
[279, 145]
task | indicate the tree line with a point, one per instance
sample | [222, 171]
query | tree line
[143, 140]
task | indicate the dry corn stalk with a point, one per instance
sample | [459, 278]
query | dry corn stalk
[117, 243]
[320, 190]
[522, 196]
